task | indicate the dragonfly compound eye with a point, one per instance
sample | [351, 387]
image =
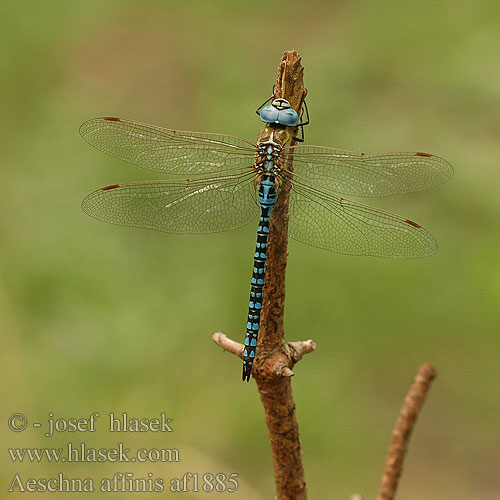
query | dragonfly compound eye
[269, 114]
[288, 117]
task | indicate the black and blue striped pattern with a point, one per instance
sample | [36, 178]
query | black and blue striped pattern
[267, 198]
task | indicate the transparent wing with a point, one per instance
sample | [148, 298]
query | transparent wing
[368, 174]
[323, 220]
[201, 205]
[167, 151]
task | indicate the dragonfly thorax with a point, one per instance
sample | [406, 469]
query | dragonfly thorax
[268, 155]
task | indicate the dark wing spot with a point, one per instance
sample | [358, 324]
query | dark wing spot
[113, 186]
[414, 224]
[111, 119]
[427, 155]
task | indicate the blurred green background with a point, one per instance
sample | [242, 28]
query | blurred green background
[95, 317]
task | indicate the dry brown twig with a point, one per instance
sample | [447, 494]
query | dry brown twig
[275, 358]
[402, 431]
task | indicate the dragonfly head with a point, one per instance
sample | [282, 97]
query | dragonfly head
[280, 112]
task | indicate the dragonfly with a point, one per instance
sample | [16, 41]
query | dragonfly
[232, 181]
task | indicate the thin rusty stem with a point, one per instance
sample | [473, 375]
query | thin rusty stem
[402, 431]
[275, 358]
[272, 369]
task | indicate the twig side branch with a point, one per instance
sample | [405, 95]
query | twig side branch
[402, 431]
[228, 344]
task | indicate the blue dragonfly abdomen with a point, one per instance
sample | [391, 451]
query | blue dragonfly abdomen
[268, 193]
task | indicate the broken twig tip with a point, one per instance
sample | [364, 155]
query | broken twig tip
[298, 349]
[427, 371]
[228, 344]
